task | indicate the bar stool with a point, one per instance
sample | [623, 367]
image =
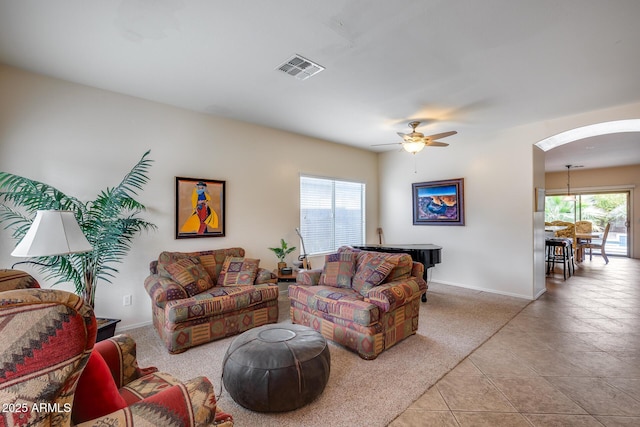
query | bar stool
[560, 250]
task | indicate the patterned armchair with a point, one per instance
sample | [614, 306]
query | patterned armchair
[16, 279]
[198, 297]
[365, 301]
[47, 355]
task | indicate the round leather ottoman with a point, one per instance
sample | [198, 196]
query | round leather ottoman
[276, 368]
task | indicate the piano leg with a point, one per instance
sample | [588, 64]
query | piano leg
[425, 276]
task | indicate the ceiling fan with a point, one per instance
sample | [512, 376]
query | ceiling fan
[414, 142]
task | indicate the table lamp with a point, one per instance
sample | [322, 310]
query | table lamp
[52, 233]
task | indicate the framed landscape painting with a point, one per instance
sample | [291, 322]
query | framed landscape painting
[438, 202]
[200, 207]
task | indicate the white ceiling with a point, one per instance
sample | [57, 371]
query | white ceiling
[464, 65]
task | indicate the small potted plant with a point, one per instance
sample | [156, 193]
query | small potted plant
[282, 252]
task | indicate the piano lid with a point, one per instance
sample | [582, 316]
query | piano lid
[418, 246]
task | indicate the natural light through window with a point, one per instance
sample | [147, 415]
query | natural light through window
[331, 213]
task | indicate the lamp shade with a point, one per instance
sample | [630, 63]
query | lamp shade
[52, 233]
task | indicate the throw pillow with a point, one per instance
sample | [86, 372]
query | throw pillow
[402, 269]
[238, 271]
[206, 258]
[372, 269]
[208, 261]
[347, 248]
[190, 274]
[96, 393]
[338, 270]
[165, 258]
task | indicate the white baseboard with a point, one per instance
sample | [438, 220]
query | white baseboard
[490, 291]
[135, 325]
[539, 294]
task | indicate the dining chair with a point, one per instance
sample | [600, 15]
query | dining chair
[582, 227]
[559, 250]
[585, 227]
[569, 232]
[595, 244]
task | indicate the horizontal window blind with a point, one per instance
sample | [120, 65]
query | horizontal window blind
[331, 213]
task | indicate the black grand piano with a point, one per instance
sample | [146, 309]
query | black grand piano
[427, 254]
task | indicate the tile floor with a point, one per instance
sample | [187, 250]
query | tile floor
[570, 358]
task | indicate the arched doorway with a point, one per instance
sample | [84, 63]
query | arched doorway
[618, 126]
[606, 136]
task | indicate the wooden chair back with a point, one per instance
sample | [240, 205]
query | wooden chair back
[606, 233]
[584, 227]
[569, 232]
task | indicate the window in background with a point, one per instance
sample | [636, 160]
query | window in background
[598, 207]
[331, 213]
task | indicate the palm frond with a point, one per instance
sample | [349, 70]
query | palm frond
[121, 197]
[113, 240]
[34, 195]
[11, 218]
[110, 222]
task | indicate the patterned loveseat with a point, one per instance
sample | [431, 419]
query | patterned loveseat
[51, 374]
[365, 301]
[198, 297]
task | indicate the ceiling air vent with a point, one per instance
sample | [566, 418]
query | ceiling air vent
[300, 68]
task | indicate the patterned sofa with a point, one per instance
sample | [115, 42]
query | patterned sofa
[51, 374]
[198, 297]
[365, 301]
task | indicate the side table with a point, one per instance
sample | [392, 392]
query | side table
[286, 277]
[106, 328]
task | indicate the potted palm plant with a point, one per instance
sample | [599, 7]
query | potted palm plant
[109, 222]
[282, 252]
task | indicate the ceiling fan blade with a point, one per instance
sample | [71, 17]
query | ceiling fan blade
[432, 143]
[441, 135]
[392, 143]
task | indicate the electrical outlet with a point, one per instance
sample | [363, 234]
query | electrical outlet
[126, 300]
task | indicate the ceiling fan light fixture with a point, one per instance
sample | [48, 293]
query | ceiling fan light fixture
[413, 147]
[415, 141]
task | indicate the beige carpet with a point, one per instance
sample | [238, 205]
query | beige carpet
[453, 323]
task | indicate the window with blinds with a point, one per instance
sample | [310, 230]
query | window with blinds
[331, 213]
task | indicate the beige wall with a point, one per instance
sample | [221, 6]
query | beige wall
[82, 140]
[627, 177]
[499, 248]
[539, 276]
[494, 250]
